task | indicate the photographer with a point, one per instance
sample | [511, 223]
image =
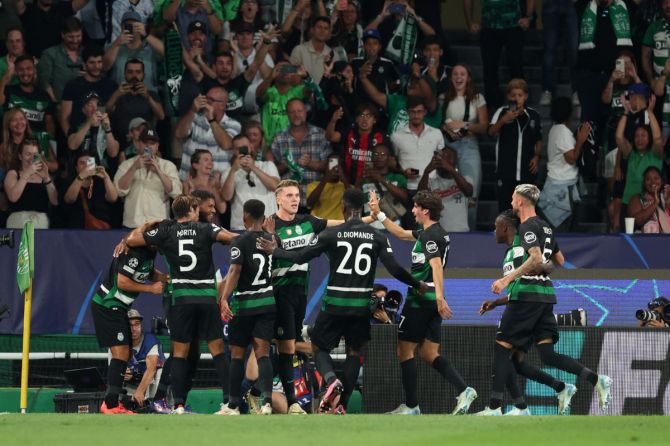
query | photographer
[384, 305]
[656, 315]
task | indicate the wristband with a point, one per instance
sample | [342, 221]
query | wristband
[381, 217]
[46, 183]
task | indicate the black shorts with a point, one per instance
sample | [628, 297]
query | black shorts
[417, 324]
[242, 329]
[523, 323]
[291, 306]
[112, 326]
[329, 329]
[197, 320]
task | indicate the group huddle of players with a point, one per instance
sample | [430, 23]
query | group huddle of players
[264, 297]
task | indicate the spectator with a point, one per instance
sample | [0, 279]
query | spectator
[133, 99]
[29, 188]
[77, 90]
[314, 53]
[94, 136]
[347, 32]
[432, 68]
[16, 47]
[559, 18]
[46, 17]
[147, 182]
[399, 25]
[465, 118]
[248, 179]
[355, 141]
[247, 18]
[383, 74]
[336, 90]
[16, 129]
[207, 11]
[324, 197]
[560, 191]
[201, 176]
[62, 63]
[444, 180]
[661, 88]
[502, 26]
[416, 143]
[145, 365]
[519, 132]
[207, 126]
[301, 151]
[254, 131]
[137, 44]
[143, 8]
[651, 208]
[245, 56]
[390, 187]
[654, 45]
[644, 150]
[295, 27]
[90, 196]
[196, 62]
[135, 129]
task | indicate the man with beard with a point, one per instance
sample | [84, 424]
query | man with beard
[46, 17]
[61, 63]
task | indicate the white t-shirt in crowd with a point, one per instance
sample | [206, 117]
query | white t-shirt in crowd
[456, 109]
[560, 141]
[416, 152]
[455, 213]
[244, 192]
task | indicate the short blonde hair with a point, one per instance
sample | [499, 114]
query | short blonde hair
[528, 191]
[517, 84]
[283, 184]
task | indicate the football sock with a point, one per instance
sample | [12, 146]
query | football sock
[502, 367]
[164, 382]
[285, 372]
[448, 372]
[408, 371]
[352, 366]
[236, 376]
[324, 364]
[536, 374]
[192, 365]
[178, 379]
[115, 372]
[265, 378]
[222, 366]
[565, 363]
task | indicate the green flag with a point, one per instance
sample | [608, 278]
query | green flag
[25, 265]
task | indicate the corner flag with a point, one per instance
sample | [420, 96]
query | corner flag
[25, 265]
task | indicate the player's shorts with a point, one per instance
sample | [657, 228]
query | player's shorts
[330, 328]
[242, 329]
[523, 323]
[417, 324]
[112, 326]
[196, 320]
[291, 305]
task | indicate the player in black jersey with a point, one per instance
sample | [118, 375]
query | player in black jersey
[529, 316]
[252, 308]
[352, 249]
[422, 315]
[187, 247]
[126, 278]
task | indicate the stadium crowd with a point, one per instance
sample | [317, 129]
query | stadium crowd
[113, 108]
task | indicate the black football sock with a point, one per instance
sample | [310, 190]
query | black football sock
[408, 372]
[115, 372]
[536, 374]
[179, 371]
[562, 362]
[164, 382]
[324, 364]
[285, 372]
[448, 372]
[265, 378]
[502, 366]
[352, 366]
[192, 365]
[514, 391]
[222, 367]
[236, 377]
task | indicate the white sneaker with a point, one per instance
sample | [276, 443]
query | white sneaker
[516, 412]
[564, 397]
[266, 409]
[488, 412]
[225, 410]
[604, 389]
[295, 409]
[254, 403]
[546, 98]
[575, 99]
[464, 400]
[404, 410]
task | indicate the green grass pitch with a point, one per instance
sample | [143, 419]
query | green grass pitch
[352, 430]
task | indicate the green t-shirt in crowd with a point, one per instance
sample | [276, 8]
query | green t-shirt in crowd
[637, 164]
[273, 112]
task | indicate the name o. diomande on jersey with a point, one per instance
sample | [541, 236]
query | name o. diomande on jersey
[355, 234]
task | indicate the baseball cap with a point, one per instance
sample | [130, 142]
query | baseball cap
[136, 122]
[91, 95]
[372, 34]
[196, 25]
[131, 15]
[134, 314]
[639, 88]
[149, 135]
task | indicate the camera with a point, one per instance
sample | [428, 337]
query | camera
[159, 326]
[652, 312]
[647, 315]
[243, 151]
[574, 318]
[7, 240]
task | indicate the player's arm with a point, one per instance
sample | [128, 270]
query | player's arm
[159, 276]
[226, 237]
[125, 283]
[147, 378]
[232, 278]
[532, 263]
[301, 255]
[489, 305]
[558, 258]
[136, 237]
[397, 271]
[391, 227]
[438, 281]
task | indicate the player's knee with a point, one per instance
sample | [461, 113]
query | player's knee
[404, 353]
[428, 356]
[547, 354]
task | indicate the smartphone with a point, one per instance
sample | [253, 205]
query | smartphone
[128, 28]
[90, 162]
[414, 171]
[37, 158]
[512, 106]
[620, 65]
[136, 86]
[102, 109]
[333, 163]
[243, 151]
[397, 8]
[288, 69]
[147, 152]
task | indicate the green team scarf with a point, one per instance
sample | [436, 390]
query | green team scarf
[401, 47]
[230, 9]
[620, 23]
[173, 70]
[297, 172]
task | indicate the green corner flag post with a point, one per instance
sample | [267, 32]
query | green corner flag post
[25, 270]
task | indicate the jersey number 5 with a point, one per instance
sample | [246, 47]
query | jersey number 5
[188, 253]
[362, 261]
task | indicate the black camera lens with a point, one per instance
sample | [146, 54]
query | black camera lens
[647, 316]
